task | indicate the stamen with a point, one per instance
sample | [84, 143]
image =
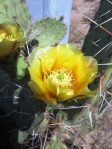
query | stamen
[62, 77]
[9, 37]
[2, 36]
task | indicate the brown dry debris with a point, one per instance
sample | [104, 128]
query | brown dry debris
[98, 138]
[101, 136]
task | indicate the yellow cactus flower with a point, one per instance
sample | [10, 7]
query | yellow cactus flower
[61, 73]
[11, 36]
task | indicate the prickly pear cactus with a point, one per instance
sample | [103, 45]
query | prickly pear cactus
[100, 42]
[34, 108]
[18, 36]
[15, 11]
[69, 124]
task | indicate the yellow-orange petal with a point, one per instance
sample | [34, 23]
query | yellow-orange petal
[48, 58]
[42, 94]
[50, 86]
[35, 70]
[60, 93]
[59, 57]
[84, 73]
[65, 94]
[11, 36]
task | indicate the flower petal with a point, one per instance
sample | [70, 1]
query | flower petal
[65, 94]
[59, 57]
[37, 85]
[11, 36]
[84, 73]
[60, 93]
[38, 93]
[50, 86]
[47, 58]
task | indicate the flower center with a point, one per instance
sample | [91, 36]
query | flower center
[62, 77]
[9, 37]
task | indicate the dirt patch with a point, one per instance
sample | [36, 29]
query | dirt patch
[101, 136]
[79, 24]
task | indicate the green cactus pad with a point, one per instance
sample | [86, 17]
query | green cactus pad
[51, 31]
